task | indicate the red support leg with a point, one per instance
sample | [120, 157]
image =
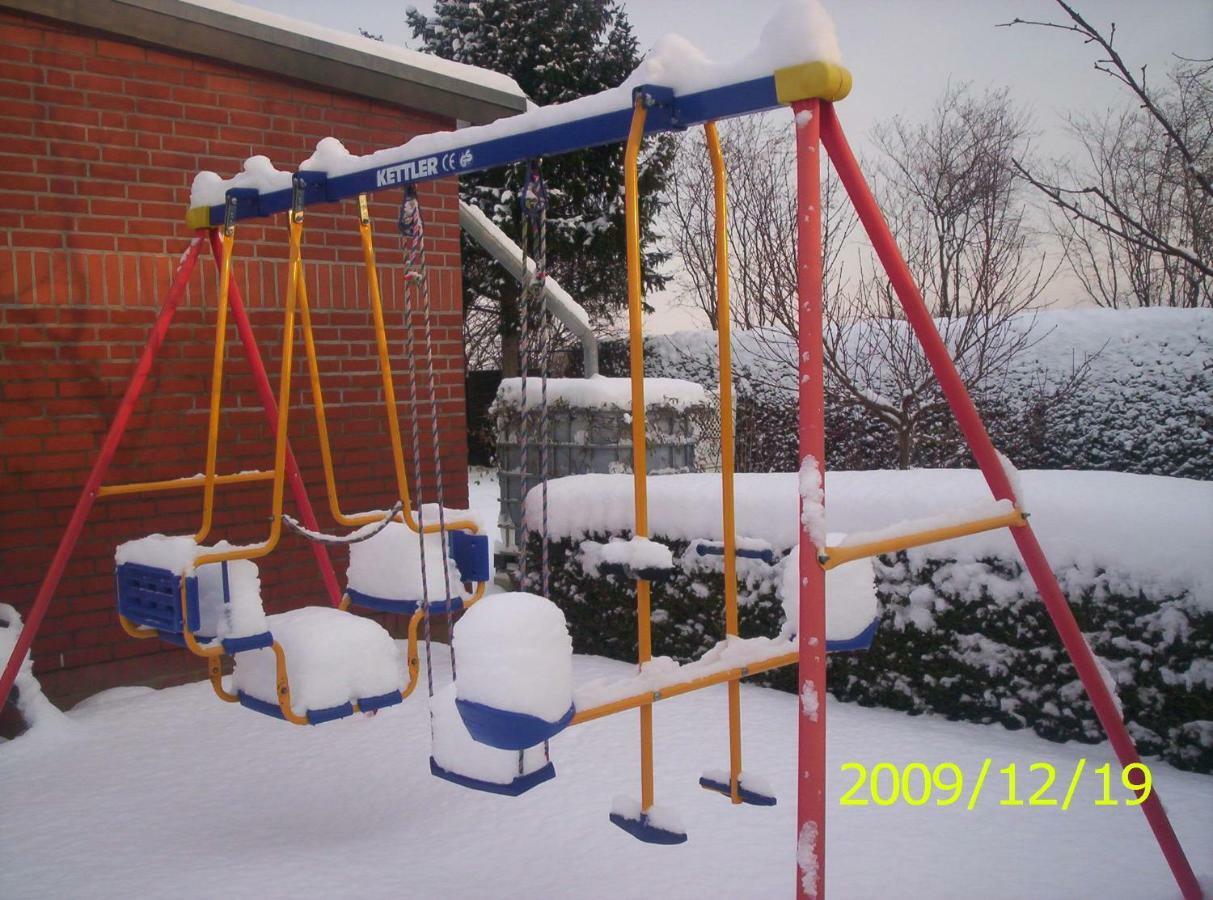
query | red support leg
[67, 543]
[811, 768]
[266, 394]
[983, 450]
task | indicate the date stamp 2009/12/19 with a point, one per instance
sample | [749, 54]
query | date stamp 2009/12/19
[1037, 784]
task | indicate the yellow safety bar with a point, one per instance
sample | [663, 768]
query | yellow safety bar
[389, 398]
[227, 240]
[648, 698]
[836, 556]
[728, 506]
[639, 450]
[180, 484]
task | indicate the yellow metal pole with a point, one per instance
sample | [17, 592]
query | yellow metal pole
[639, 450]
[385, 362]
[256, 551]
[389, 389]
[212, 437]
[728, 507]
[836, 556]
[180, 484]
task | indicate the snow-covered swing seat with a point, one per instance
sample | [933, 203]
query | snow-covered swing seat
[340, 663]
[385, 572]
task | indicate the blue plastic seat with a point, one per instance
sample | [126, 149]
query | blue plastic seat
[508, 730]
[519, 785]
[150, 597]
[753, 798]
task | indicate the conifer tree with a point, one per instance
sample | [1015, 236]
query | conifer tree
[557, 50]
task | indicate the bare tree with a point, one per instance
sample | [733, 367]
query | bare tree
[952, 198]
[1138, 216]
[760, 157]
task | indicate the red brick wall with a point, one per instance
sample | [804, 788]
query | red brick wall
[101, 141]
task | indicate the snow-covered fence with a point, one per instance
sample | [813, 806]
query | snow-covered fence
[1142, 404]
[963, 633]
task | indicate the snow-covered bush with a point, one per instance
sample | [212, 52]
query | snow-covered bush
[963, 633]
[1141, 403]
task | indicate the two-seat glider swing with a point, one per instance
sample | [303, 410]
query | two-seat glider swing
[206, 597]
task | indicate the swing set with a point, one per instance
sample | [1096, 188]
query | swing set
[175, 601]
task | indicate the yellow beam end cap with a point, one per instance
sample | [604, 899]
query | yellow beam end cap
[812, 81]
[198, 217]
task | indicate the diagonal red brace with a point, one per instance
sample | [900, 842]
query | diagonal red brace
[84, 505]
[987, 458]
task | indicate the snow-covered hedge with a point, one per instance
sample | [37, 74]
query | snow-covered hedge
[1142, 406]
[963, 633]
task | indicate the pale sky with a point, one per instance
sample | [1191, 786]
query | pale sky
[901, 53]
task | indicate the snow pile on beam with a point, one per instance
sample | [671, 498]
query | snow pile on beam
[801, 31]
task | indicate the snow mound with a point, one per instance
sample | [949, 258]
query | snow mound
[33, 705]
[513, 652]
[636, 553]
[332, 658]
[388, 565]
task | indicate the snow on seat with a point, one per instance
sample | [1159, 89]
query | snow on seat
[637, 557]
[223, 600]
[334, 660]
[385, 571]
[852, 610]
[514, 657]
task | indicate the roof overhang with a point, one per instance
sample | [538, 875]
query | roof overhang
[267, 43]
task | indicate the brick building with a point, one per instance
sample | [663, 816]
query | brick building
[108, 109]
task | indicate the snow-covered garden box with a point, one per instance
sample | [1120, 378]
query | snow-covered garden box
[963, 632]
[589, 429]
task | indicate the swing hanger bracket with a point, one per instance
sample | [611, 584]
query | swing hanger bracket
[308, 187]
[239, 203]
[534, 195]
[661, 107]
[409, 221]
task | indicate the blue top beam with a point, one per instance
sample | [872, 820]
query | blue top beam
[667, 112]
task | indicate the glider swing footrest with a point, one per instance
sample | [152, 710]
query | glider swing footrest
[752, 798]
[644, 830]
[519, 785]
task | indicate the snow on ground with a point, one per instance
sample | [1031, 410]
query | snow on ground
[173, 793]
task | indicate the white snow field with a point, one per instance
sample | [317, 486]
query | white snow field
[148, 793]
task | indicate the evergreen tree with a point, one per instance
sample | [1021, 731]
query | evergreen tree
[557, 50]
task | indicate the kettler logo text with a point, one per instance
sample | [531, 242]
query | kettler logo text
[413, 170]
